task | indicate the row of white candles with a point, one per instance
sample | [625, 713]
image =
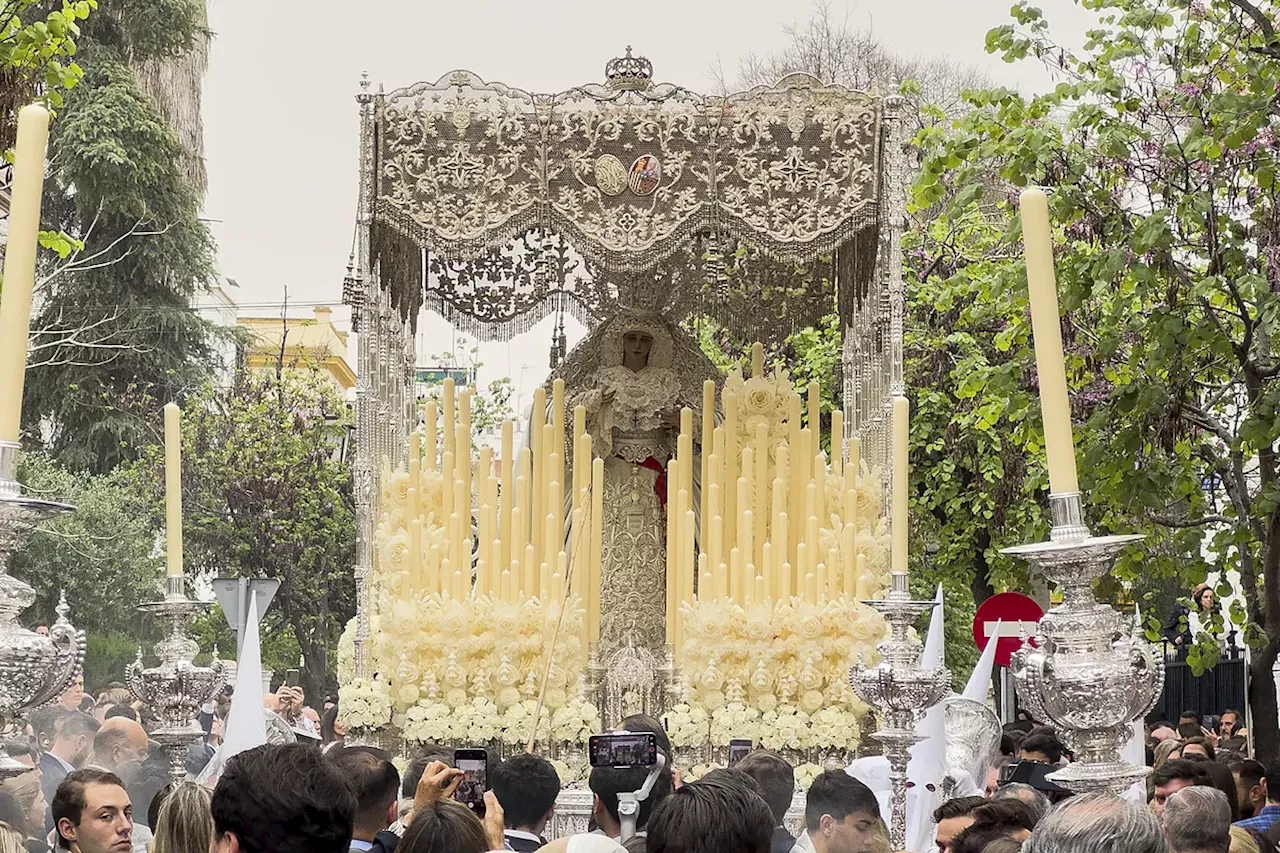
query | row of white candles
[521, 549]
[762, 518]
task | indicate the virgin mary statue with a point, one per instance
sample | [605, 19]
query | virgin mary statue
[633, 374]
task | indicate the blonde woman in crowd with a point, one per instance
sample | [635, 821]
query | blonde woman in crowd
[30, 802]
[184, 823]
[1165, 751]
[11, 840]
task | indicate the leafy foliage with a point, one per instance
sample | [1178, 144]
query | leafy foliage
[1160, 150]
[265, 496]
[37, 46]
[127, 339]
[103, 554]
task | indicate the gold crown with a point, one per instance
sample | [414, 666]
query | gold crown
[629, 73]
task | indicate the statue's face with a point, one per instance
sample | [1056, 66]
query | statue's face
[635, 348]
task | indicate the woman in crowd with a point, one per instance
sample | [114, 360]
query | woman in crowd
[1167, 750]
[333, 732]
[184, 823]
[28, 809]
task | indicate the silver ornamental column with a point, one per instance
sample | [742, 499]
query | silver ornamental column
[34, 668]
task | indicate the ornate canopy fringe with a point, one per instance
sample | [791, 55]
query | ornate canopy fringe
[497, 207]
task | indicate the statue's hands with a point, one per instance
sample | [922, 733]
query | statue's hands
[671, 417]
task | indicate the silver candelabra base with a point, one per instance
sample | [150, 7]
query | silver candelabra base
[1091, 672]
[901, 692]
[176, 687]
[34, 668]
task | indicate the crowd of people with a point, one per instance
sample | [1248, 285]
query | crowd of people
[97, 784]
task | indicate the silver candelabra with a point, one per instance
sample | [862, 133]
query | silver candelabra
[1092, 672]
[176, 687]
[34, 668]
[901, 692]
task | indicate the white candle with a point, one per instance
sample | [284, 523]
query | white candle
[20, 263]
[1055, 408]
[173, 490]
[898, 519]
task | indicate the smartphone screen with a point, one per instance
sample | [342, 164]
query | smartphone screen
[623, 749]
[291, 678]
[474, 764]
[739, 749]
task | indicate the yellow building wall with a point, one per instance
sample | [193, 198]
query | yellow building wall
[310, 343]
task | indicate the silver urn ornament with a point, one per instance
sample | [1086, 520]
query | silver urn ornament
[901, 692]
[1091, 672]
[176, 687]
[34, 668]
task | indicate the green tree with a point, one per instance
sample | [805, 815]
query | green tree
[116, 331]
[264, 495]
[37, 43]
[1160, 148]
[103, 554]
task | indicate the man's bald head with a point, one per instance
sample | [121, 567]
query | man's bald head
[120, 741]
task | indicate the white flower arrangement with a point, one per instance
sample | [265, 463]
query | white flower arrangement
[688, 726]
[806, 773]
[735, 721]
[364, 704]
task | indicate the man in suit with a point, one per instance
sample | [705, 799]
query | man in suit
[376, 783]
[70, 748]
[526, 786]
[777, 782]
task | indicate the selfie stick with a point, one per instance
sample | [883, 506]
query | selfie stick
[629, 804]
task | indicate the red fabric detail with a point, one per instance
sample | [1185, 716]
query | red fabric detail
[660, 484]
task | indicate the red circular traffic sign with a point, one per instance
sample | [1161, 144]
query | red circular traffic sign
[1016, 613]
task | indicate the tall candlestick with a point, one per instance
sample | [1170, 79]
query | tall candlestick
[597, 544]
[815, 418]
[530, 570]
[837, 443]
[506, 493]
[757, 359]
[415, 471]
[673, 552]
[708, 440]
[172, 489]
[731, 463]
[557, 420]
[538, 482]
[413, 577]
[898, 522]
[1046, 325]
[431, 432]
[20, 265]
[446, 492]
[863, 588]
[449, 424]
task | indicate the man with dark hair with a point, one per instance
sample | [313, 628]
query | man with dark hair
[70, 747]
[1269, 815]
[409, 783]
[1251, 792]
[282, 798]
[842, 815]
[645, 723]
[777, 781]
[1189, 717]
[720, 812]
[1041, 746]
[1009, 818]
[606, 783]
[92, 813]
[526, 786]
[953, 817]
[376, 783]
[1173, 776]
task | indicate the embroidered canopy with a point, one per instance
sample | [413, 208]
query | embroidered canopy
[496, 206]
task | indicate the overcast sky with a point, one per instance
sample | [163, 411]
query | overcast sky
[281, 120]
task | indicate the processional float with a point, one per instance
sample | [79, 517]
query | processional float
[764, 211]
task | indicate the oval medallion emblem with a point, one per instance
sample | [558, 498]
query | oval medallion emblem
[645, 174]
[611, 175]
